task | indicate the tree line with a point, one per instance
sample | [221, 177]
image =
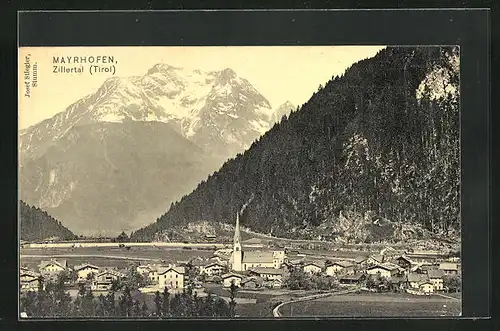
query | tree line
[36, 224]
[53, 300]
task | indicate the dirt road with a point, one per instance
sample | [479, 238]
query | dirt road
[277, 314]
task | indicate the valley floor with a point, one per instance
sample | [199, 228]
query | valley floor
[259, 303]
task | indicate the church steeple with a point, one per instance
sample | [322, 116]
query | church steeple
[237, 238]
[237, 256]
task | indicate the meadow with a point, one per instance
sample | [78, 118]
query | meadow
[374, 305]
[110, 257]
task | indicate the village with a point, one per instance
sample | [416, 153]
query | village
[255, 268]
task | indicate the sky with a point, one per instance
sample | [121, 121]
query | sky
[280, 73]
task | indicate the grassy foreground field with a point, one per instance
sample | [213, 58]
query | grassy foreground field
[374, 305]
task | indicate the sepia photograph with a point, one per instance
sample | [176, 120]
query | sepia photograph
[216, 182]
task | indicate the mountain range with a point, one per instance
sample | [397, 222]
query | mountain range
[373, 156]
[117, 158]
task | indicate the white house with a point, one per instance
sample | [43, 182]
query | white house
[53, 266]
[30, 285]
[171, 277]
[415, 279]
[312, 268]
[426, 287]
[385, 270]
[104, 279]
[84, 270]
[252, 282]
[276, 283]
[230, 278]
[339, 267]
[361, 261]
[436, 278]
[449, 268]
[212, 269]
[404, 261]
[144, 269]
[28, 281]
[153, 275]
[375, 259]
[109, 275]
[267, 273]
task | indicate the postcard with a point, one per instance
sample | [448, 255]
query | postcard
[239, 182]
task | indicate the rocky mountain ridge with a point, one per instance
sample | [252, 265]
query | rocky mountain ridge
[372, 156]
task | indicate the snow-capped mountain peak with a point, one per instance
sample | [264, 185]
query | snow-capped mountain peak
[285, 109]
[212, 108]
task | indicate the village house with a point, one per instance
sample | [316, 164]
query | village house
[53, 266]
[422, 257]
[84, 270]
[375, 259]
[312, 268]
[267, 273]
[30, 285]
[28, 281]
[391, 253]
[211, 237]
[152, 272]
[144, 269]
[404, 262]
[211, 269]
[355, 279]
[214, 279]
[398, 283]
[229, 278]
[101, 286]
[449, 268]
[426, 287]
[252, 282]
[217, 259]
[415, 279]
[339, 267]
[436, 278]
[385, 270]
[276, 283]
[109, 275]
[424, 268]
[416, 269]
[197, 262]
[104, 279]
[361, 261]
[171, 277]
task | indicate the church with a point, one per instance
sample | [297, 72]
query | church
[243, 261]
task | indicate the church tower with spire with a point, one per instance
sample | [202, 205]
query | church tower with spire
[237, 255]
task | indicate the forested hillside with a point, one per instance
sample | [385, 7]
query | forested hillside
[373, 155]
[36, 224]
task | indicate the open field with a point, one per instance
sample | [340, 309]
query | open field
[374, 305]
[148, 254]
[109, 257]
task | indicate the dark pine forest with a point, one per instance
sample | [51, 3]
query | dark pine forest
[36, 224]
[364, 147]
